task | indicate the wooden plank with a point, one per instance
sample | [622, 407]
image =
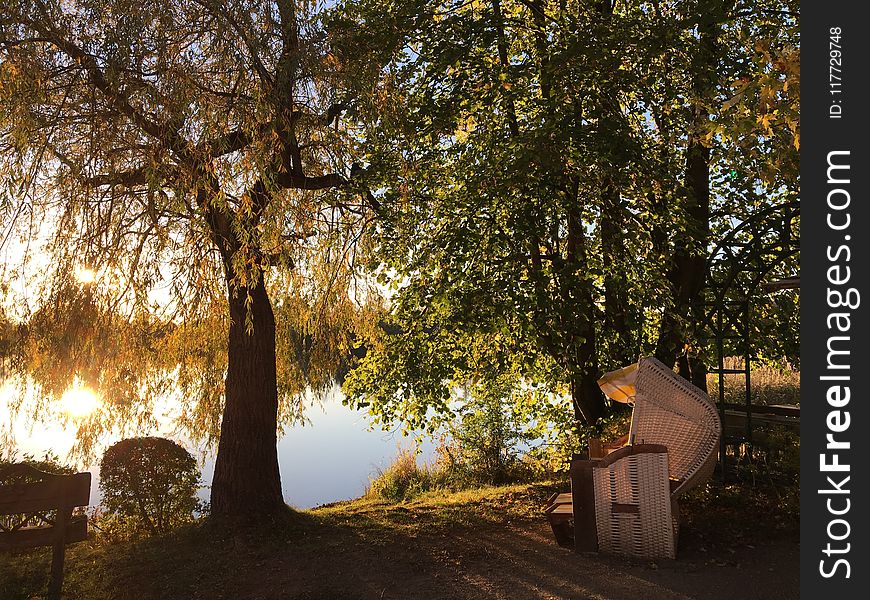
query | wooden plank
[55, 586]
[560, 517]
[583, 496]
[735, 424]
[58, 490]
[596, 449]
[629, 451]
[739, 417]
[600, 449]
[564, 498]
[561, 509]
[76, 531]
[773, 409]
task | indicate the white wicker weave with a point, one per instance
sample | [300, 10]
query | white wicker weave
[676, 414]
[671, 412]
[640, 480]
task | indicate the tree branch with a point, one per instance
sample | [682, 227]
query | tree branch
[302, 182]
[233, 141]
[214, 9]
[133, 178]
[116, 99]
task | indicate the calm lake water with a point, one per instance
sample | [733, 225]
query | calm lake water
[329, 459]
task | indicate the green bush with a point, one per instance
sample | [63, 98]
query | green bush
[482, 445]
[149, 486]
[404, 479]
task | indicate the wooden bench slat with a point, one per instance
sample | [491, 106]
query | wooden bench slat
[76, 531]
[75, 490]
[38, 492]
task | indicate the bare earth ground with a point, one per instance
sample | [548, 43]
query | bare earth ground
[485, 547]
[513, 562]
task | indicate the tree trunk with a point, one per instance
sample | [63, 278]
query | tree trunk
[246, 477]
[587, 399]
[689, 269]
[577, 291]
[616, 301]
[691, 367]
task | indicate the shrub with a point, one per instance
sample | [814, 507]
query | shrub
[485, 438]
[404, 479]
[149, 484]
[481, 446]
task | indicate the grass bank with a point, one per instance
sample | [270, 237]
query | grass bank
[439, 545]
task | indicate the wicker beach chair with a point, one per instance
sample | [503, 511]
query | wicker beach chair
[624, 500]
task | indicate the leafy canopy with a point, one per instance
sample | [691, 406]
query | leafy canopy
[532, 157]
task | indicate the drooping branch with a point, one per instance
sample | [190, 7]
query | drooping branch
[145, 122]
[222, 13]
[128, 178]
[132, 178]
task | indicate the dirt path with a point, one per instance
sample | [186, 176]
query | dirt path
[483, 545]
[510, 562]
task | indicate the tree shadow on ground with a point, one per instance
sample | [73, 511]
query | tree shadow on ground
[486, 551]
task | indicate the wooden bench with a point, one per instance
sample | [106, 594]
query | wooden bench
[736, 416]
[36, 509]
[560, 514]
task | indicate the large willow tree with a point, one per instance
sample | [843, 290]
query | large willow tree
[192, 154]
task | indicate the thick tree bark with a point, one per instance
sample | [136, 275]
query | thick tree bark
[689, 268]
[688, 271]
[616, 302]
[586, 396]
[246, 477]
[582, 363]
[247, 480]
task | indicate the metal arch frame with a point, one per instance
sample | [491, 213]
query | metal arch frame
[739, 263]
[741, 244]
